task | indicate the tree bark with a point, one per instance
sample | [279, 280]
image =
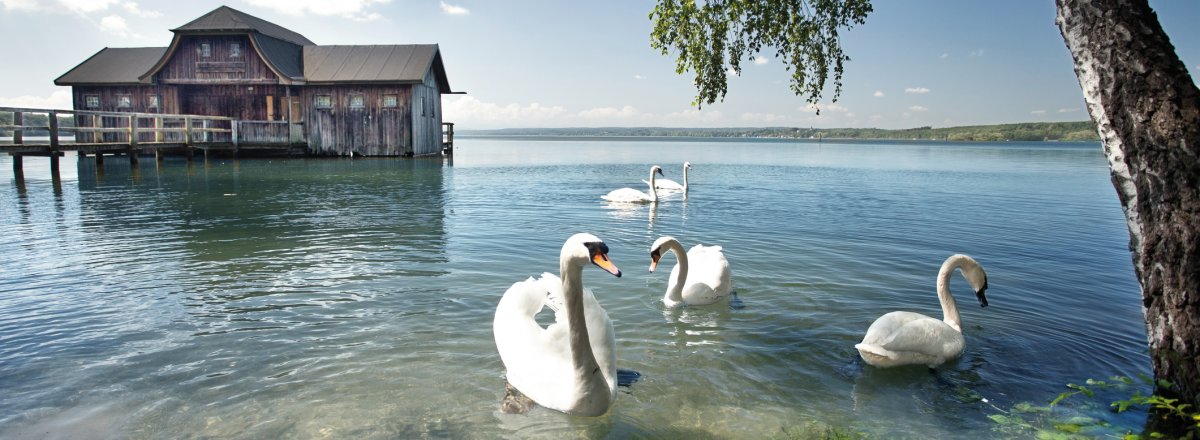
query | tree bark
[1147, 110]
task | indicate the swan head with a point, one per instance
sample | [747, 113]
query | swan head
[656, 251]
[584, 247]
[656, 170]
[975, 276]
[687, 165]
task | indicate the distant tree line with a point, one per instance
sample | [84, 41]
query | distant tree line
[1032, 131]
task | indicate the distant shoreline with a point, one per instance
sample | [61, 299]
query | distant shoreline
[1082, 131]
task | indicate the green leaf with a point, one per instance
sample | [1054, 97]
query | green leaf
[1068, 427]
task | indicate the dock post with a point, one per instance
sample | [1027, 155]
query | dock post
[133, 140]
[99, 159]
[54, 165]
[18, 133]
[17, 168]
[187, 140]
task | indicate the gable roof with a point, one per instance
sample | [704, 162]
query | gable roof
[403, 63]
[113, 66]
[227, 19]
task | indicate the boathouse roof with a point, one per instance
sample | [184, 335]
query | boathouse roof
[295, 59]
[227, 19]
[374, 64]
[121, 65]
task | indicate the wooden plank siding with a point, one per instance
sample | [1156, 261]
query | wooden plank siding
[427, 117]
[188, 65]
[235, 101]
[370, 129]
[112, 99]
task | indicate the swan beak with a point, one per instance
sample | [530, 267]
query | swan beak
[979, 294]
[654, 257]
[601, 260]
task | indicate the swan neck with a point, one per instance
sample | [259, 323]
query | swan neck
[653, 184]
[949, 307]
[685, 184]
[675, 290]
[582, 358]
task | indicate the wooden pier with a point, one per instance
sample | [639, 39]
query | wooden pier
[49, 133]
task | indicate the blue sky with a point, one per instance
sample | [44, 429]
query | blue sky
[567, 64]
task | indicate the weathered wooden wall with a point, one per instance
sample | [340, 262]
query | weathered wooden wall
[139, 97]
[427, 121]
[234, 101]
[371, 130]
[187, 66]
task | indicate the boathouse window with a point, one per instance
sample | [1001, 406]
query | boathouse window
[152, 102]
[357, 101]
[124, 101]
[390, 101]
[235, 50]
[324, 101]
[205, 50]
[91, 101]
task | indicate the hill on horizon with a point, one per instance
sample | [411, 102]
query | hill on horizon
[1028, 131]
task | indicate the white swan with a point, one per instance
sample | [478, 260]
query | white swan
[569, 366]
[700, 277]
[904, 338]
[630, 195]
[671, 185]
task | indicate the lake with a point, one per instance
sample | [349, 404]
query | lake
[354, 298]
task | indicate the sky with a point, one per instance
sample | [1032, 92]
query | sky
[522, 63]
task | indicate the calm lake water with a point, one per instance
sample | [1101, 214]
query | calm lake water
[330, 298]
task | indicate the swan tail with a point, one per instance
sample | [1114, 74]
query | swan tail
[874, 354]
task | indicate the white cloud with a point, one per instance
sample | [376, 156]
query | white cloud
[878, 94]
[944, 55]
[916, 90]
[977, 53]
[351, 9]
[760, 60]
[917, 108]
[59, 99]
[1068, 110]
[638, 77]
[133, 8]
[59, 6]
[609, 113]
[1038, 112]
[114, 24]
[469, 110]
[454, 10]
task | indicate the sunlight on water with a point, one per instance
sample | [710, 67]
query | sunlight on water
[346, 298]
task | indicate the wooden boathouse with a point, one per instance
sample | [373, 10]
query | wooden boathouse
[279, 87]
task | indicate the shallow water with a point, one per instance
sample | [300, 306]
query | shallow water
[265, 298]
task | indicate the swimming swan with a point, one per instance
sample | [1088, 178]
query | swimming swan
[569, 366]
[631, 195]
[671, 185]
[904, 338]
[700, 277]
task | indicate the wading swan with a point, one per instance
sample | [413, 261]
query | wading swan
[905, 338]
[630, 195]
[671, 185]
[569, 366]
[700, 277]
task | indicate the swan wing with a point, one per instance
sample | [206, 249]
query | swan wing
[910, 338]
[666, 184]
[627, 195]
[709, 276]
[537, 359]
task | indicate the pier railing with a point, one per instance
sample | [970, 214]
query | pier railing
[41, 131]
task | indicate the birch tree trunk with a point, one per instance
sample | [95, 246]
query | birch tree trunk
[1147, 110]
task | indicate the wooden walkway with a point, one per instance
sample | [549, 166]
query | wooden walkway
[41, 132]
